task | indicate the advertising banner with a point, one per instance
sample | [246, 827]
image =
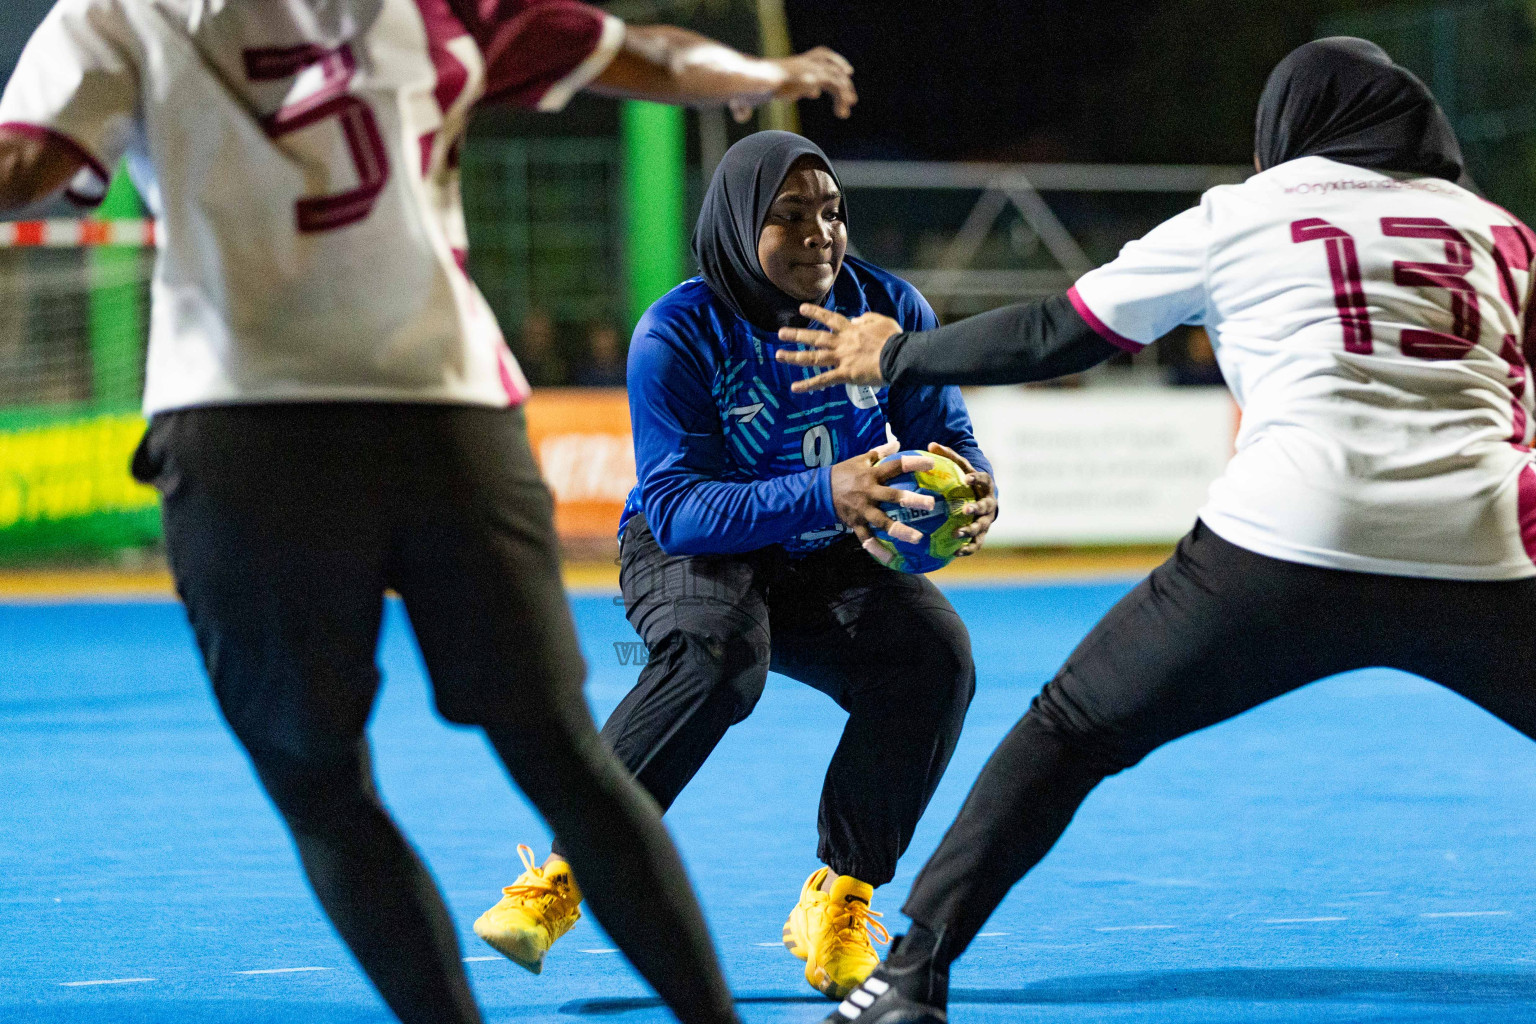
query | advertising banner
[582, 441]
[1102, 465]
[1074, 467]
[64, 485]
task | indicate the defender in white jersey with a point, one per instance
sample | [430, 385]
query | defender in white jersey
[1374, 318]
[335, 412]
[1370, 324]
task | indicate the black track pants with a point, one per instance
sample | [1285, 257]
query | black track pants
[285, 524]
[887, 647]
[1214, 631]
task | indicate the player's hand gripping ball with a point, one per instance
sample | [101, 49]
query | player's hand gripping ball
[940, 526]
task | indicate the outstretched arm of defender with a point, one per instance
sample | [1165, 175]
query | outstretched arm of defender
[1028, 341]
[674, 65]
[32, 168]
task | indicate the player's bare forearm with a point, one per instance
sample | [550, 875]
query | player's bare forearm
[673, 65]
[32, 169]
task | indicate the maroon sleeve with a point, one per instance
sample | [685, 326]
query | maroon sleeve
[530, 45]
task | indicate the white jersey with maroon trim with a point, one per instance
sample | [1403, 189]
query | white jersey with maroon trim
[301, 159]
[1374, 328]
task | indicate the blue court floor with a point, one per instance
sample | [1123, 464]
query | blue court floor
[1363, 850]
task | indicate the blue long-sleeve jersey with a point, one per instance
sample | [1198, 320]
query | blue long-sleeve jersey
[728, 458]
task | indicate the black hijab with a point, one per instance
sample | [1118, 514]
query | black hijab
[731, 221]
[1344, 99]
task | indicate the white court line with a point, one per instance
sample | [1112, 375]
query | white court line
[599, 951]
[1469, 913]
[767, 943]
[1137, 928]
[989, 935]
[479, 959]
[286, 970]
[104, 981]
[1302, 920]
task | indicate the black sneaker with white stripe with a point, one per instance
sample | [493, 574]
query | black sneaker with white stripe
[879, 1002]
[911, 987]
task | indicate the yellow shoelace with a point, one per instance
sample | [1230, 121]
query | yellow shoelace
[531, 884]
[849, 926]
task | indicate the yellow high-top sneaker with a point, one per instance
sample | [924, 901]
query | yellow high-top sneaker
[831, 932]
[534, 911]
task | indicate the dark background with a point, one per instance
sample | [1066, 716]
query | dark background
[17, 19]
[1092, 80]
[1168, 81]
[1119, 81]
[1116, 81]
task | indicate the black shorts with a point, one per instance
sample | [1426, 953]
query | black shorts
[1218, 629]
[1214, 631]
[286, 524]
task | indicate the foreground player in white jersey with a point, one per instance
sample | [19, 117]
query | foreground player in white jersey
[1374, 319]
[335, 413]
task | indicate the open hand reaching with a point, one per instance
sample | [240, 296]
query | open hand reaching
[849, 350]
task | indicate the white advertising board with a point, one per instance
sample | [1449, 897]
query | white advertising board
[1102, 465]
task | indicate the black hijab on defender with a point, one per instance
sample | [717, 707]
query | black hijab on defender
[731, 221]
[1343, 98]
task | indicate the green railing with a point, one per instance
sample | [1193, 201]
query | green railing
[581, 230]
[588, 231]
[72, 356]
[1479, 59]
[545, 228]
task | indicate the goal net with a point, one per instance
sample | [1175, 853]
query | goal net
[73, 323]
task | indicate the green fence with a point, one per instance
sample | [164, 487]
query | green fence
[580, 230]
[72, 330]
[548, 219]
[1479, 59]
[545, 229]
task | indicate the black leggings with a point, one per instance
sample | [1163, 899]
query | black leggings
[887, 647]
[1214, 631]
[285, 525]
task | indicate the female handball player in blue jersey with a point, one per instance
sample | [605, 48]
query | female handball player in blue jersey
[1374, 318]
[741, 551]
